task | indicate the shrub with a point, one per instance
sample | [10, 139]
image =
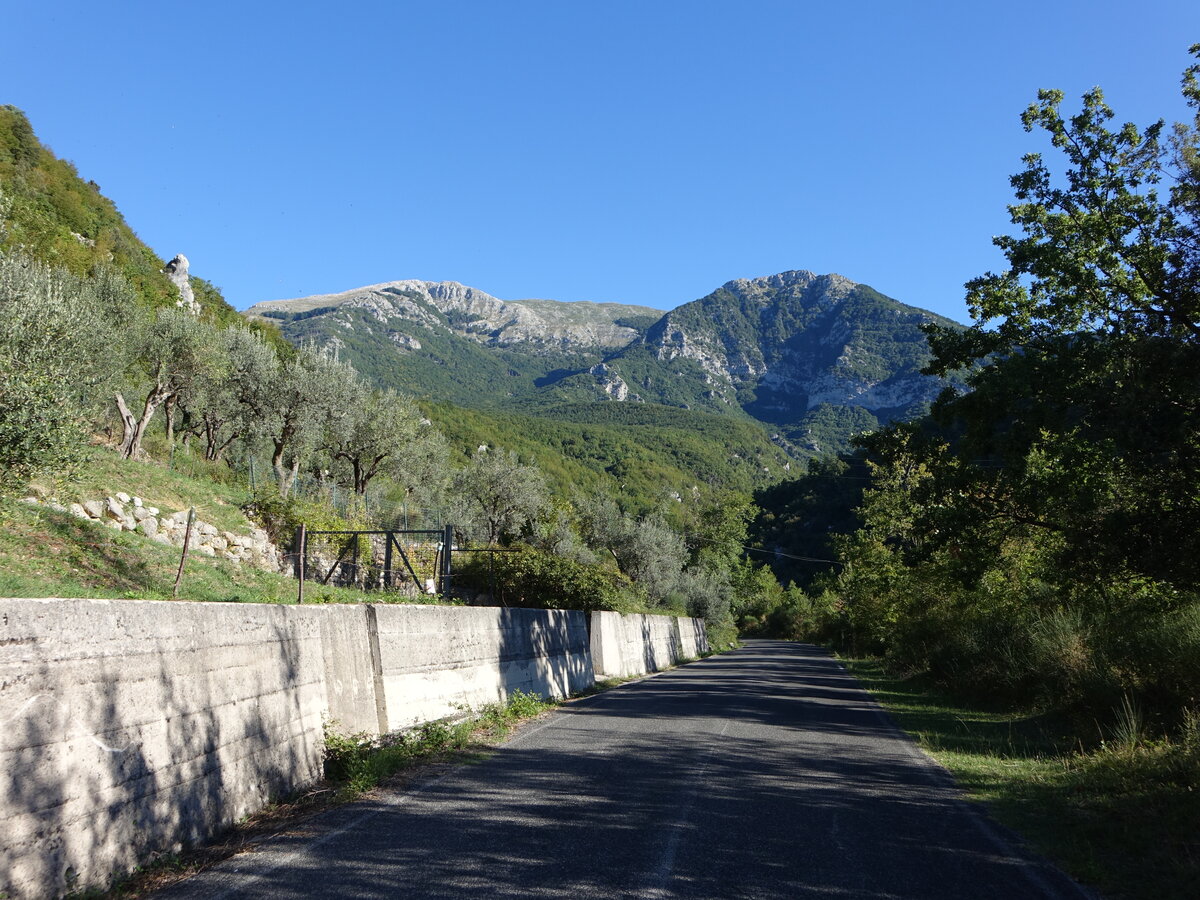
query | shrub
[532, 578]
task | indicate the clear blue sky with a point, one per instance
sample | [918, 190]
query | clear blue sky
[642, 152]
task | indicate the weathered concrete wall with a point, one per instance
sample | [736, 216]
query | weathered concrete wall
[627, 645]
[351, 656]
[693, 638]
[127, 727]
[437, 661]
[131, 726]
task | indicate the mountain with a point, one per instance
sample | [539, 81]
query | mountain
[49, 212]
[447, 342]
[815, 357]
[819, 356]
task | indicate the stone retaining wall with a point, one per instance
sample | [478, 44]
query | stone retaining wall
[122, 512]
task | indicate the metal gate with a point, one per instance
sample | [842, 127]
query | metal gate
[413, 561]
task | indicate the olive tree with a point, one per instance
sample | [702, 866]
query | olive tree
[376, 432]
[173, 351]
[231, 403]
[496, 494]
[57, 357]
[303, 393]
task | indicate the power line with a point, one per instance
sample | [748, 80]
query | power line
[773, 553]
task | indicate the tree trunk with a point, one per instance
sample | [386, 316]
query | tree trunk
[169, 412]
[285, 475]
[128, 427]
[135, 429]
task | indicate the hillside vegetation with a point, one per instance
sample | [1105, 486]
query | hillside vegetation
[50, 553]
[95, 347]
[1030, 546]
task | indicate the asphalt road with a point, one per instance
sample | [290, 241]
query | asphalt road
[762, 773]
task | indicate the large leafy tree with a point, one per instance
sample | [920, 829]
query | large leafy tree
[172, 352]
[304, 392]
[1085, 426]
[232, 403]
[377, 432]
[1036, 533]
[496, 494]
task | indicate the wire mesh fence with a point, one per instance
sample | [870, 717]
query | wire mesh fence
[411, 562]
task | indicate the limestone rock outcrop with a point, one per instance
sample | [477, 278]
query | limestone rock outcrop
[177, 272]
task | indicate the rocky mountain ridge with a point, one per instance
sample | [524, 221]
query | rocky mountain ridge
[797, 340]
[787, 350]
[473, 314]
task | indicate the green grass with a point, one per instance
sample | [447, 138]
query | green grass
[44, 553]
[1116, 811]
[183, 481]
[357, 763]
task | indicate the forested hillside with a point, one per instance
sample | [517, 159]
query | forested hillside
[102, 353]
[813, 359]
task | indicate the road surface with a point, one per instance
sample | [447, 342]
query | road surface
[762, 773]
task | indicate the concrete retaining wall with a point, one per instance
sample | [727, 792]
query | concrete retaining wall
[438, 660]
[628, 645]
[693, 639]
[128, 727]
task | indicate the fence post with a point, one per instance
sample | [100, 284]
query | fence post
[301, 552]
[447, 543]
[187, 540]
[387, 559]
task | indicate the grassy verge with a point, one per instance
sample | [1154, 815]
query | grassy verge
[182, 482]
[1117, 811]
[44, 553]
[354, 765]
[358, 763]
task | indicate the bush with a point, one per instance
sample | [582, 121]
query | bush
[531, 578]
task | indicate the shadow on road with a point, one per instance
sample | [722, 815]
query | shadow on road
[764, 773]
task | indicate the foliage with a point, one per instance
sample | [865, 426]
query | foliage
[799, 519]
[647, 550]
[829, 430]
[230, 403]
[53, 364]
[533, 578]
[1117, 814]
[496, 495]
[171, 354]
[1033, 540]
[375, 431]
[359, 762]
